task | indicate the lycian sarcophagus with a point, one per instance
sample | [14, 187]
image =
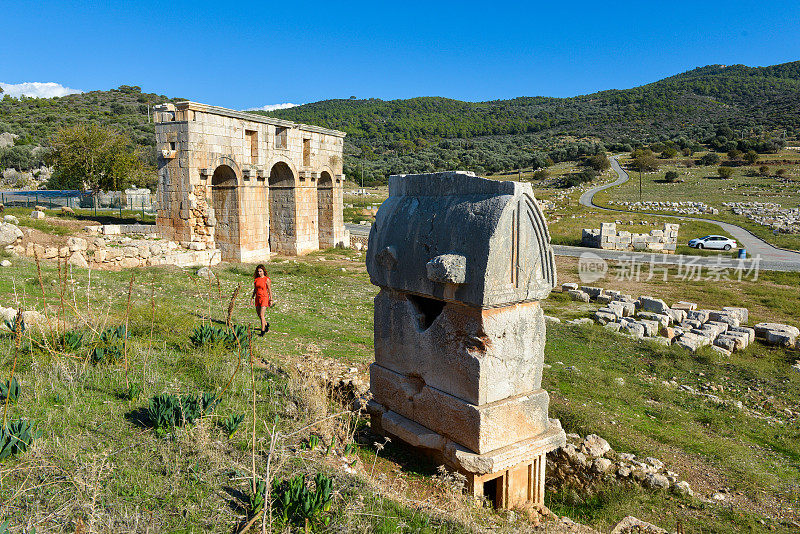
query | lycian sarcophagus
[462, 263]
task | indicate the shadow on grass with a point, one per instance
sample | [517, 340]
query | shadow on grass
[138, 418]
[408, 459]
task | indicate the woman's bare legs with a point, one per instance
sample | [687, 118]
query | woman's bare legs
[261, 310]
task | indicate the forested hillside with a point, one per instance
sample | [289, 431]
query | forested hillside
[757, 104]
[35, 120]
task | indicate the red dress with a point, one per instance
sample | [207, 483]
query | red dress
[263, 296]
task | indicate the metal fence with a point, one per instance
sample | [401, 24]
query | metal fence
[53, 199]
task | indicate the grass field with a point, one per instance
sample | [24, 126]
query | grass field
[99, 464]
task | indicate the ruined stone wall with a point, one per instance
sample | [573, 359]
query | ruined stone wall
[607, 237]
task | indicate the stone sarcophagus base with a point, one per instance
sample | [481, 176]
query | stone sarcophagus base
[511, 476]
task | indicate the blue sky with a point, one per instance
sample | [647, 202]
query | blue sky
[250, 54]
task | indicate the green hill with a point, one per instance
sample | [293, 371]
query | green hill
[434, 133]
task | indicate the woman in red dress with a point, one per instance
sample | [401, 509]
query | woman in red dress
[262, 296]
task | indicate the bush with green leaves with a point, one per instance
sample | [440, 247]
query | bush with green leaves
[295, 502]
[9, 390]
[109, 347]
[167, 411]
[17, 436]
[231, 424]
[670, 176]
[258, 498]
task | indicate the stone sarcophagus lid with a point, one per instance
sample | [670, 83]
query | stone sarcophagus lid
[462, 263]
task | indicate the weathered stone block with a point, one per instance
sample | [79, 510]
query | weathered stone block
[479, 428]
[497, 353]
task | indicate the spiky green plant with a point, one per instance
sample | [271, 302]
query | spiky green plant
[72, 340]
[296, 502]
[17, 436]
[231, 424]
[258, 498]
[9, 391]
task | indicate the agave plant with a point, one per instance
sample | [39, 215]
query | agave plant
[114, 334]
[17, 436]
[231, 424]
[12, 324]
[10, 390]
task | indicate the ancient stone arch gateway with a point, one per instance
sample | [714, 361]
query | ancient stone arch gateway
[247, 184]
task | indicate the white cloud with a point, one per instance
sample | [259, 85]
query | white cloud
[37, 89]
[272, 107]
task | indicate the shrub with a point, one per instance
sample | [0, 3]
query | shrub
[9, 391]
[670, 176]
[763, 170]
[712, 158]
[232, 337]
[725, 172]
[541, 174]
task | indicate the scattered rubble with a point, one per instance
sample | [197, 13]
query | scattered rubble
[724, 330]
[773, 216]
[584, 463]
[682, 208]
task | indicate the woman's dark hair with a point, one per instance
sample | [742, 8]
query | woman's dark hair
[260, 266]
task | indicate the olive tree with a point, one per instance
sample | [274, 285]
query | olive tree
[94, 158]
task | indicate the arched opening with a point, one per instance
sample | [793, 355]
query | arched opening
[325, 210]
[282, 224]
[225, 201]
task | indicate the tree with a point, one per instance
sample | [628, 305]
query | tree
[751, 157]
[734, 154]
[643, 161]
[669, 152]
[670, 176]
[712, 158]
[94, 158]
[598, 162]
[725, 172]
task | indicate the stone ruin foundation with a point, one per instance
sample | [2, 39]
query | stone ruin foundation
[462, 263]
[247, 184]
[607, 237]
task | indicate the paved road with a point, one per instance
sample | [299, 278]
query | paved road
[754, 245]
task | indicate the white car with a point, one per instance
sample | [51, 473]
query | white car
[717, 242]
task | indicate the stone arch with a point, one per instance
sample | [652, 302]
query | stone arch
[325, 205]
[289, 163]
[282, 208]
[225, 202]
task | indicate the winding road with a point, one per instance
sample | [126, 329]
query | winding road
[755, 246]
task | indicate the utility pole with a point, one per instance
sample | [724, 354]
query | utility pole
[640, 185]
